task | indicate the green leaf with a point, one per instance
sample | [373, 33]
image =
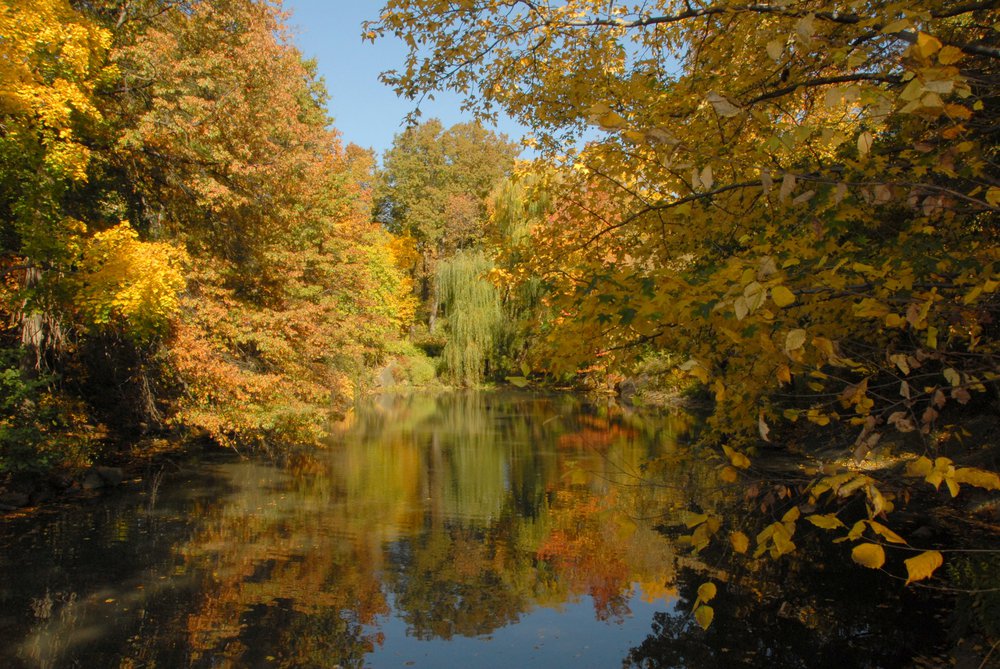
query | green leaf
[922, 566]
[869, 555]
[518, 381]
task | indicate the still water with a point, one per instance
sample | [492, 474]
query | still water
[465, 530]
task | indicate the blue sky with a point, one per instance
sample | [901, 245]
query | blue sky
[366, 112]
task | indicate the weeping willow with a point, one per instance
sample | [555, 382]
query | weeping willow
[474, 315]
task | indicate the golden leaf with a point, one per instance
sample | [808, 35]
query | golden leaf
[827, 522]
[739, 460]
[927, 45]
[611, 120]
[949, 55]
[921, 467]
[707, 592]
[923, 566]
[740, 542]
[782, 296]
[886, 533]
[704, 616]
[729, 475]
[978, 477]
[869, 555]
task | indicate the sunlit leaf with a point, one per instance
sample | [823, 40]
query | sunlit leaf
[704, 615]
[949, 55]
[791, 515]
[782, 296]
[869, 555]
[921, 467]
[923, 566]
[886, 533]
[707, 592]
[978, 477]
[738, 459]
[927, 45]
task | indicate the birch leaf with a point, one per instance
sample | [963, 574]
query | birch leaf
[923, 566]
[869, 555]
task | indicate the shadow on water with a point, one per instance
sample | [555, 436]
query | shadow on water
[479, 529]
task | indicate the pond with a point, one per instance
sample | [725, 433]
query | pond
[458, 530]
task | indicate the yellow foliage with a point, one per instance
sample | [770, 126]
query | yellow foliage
[707, 592]
[923, 566]
[704, 615]
[130, 283]
[406, 258]
[869, 555]
[50, 61]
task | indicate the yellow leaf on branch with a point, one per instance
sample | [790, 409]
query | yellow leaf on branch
[923, 566]
[869, 555]
[704, 615]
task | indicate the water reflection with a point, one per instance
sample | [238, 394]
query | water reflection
[459, 530]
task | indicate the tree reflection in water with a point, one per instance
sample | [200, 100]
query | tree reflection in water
[430, 522]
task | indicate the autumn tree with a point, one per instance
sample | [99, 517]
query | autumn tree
[799, 198]
[186, 240]
[221, 142]
[433, 188]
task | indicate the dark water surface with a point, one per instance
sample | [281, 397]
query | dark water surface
[476, 530]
